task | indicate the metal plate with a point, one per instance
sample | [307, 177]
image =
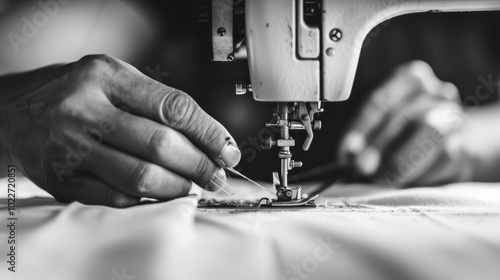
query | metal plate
[222, 20]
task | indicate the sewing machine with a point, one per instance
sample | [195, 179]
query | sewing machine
[302, 53]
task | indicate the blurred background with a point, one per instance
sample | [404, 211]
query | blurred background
[164, 40]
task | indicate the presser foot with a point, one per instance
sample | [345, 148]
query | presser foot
[308, 202]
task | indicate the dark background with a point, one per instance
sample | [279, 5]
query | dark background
[460, 47]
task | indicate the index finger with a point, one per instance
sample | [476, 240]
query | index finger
[179, 111]
[148, 98]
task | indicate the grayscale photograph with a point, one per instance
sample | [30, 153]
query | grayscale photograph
[250, 139]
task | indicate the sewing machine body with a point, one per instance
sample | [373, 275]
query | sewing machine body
[305, 52]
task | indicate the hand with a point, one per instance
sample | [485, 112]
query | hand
[408, 132]
[98, 131]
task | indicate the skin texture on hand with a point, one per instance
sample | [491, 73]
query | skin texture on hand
[100, 132]
[409, 132]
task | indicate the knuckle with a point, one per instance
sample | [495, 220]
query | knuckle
[159, 143]
[67, 107]
[417, 75]
[93, 67]
[97, 60]
[450, 92]
[423, 74]
[415, 67]
[63, 105]
[144, 179]
[415, 72]
[177, 108]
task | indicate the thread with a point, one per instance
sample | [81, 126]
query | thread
[232, 170]
[226, 188]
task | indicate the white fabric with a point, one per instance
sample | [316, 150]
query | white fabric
[357, 232]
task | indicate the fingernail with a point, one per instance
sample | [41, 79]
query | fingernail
[368, 161]
[230, 155]
[218, 183]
